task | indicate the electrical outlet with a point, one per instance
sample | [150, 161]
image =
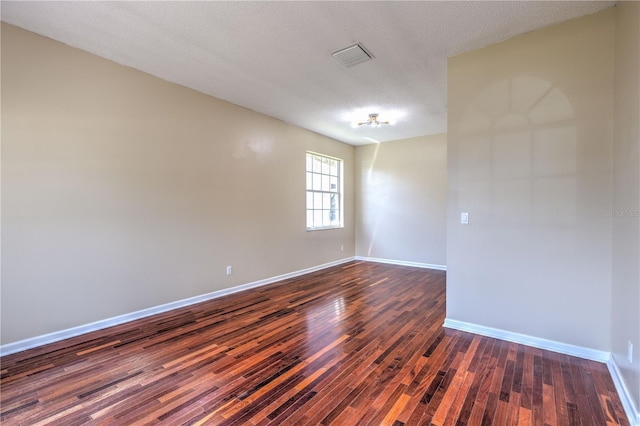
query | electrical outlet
[229, 270]
[630, 351]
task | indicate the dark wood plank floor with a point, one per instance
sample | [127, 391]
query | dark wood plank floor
[360, 343]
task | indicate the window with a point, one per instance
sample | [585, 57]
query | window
[324, 192]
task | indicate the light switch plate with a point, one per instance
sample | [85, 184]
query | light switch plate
[464, 218]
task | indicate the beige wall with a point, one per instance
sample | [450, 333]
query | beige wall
[401, 200]
[626, 197]
[530, 159]
[121, 191]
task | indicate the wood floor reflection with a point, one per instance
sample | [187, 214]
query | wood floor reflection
[359, 343]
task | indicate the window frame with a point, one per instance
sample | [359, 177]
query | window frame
[315, 192]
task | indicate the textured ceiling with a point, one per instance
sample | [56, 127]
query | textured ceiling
[275, 57]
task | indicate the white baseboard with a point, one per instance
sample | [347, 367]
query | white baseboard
[633, 413]
[595, 355]
[33, 342]
[536, 342]
[403, 263]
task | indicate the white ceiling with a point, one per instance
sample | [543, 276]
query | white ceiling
[275, 57]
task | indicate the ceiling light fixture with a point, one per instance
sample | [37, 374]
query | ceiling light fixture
[373, 121]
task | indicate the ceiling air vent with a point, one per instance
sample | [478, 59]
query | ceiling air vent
[352, 55]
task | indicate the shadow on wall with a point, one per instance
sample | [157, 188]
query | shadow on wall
[518, 147]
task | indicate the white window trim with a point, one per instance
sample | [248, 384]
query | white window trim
[340, 193]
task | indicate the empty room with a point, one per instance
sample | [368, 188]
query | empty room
[336, 213]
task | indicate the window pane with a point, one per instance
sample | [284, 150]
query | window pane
[333, 184]
[317, 218]
[333, 168]
[335, 210]
[326, 201]
[309, 218]
[334, 217]
[309, 162]
[309, 181]
[317, 182]
[317, 164]
[325, 166]
[325, 183]
[325, 218]
[309, 200]
[317, 200]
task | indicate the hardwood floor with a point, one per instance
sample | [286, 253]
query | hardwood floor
[360, 343]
